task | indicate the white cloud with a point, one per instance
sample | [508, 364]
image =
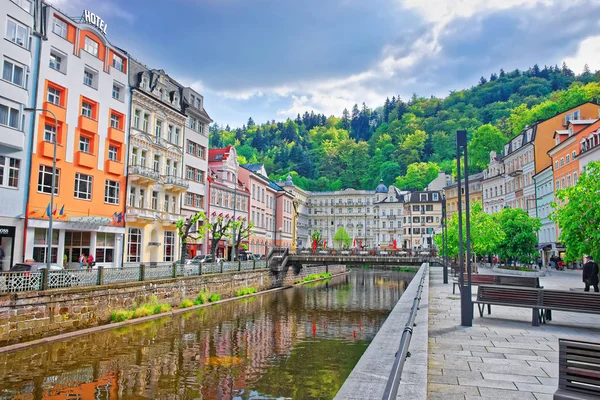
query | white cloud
[587, 53]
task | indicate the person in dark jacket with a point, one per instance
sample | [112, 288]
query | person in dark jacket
[590, 274]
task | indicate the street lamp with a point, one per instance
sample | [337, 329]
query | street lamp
[49, 243]
[444, 239]
[466, 299]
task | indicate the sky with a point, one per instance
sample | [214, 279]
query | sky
[273, 59]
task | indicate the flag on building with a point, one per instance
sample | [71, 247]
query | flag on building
[48, 210]
[62, 210]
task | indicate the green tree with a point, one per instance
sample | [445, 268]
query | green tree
[316, 235]
[341, 238]
[390, 170]
[577, 213]
[418, 176]
[193, 227]
[486, 233]
[242, 230]
[520, 234]
[485, 139]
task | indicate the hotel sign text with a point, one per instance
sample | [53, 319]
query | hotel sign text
[95, 20]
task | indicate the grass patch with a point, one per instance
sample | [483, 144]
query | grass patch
[314, 277]
[185, 303]
[245, 291]
[152, 307]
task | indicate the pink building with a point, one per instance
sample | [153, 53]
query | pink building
[270, 210]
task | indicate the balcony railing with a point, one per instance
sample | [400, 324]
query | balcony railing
[143, 172]
[176, 181]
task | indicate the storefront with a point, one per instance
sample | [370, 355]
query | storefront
[7, 244]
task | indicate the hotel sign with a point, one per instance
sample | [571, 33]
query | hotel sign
[95, 20]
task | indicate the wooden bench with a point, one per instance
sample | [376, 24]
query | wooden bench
[510, 296]
[541, 301]
[579, 370]
[476, 280]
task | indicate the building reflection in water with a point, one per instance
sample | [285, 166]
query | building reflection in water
[312, 335]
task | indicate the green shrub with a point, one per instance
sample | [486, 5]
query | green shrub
[143, 311]
[313, 277]
[150, 308]
[161, 308]
[120, 315]
[185, 303]
[202, 298]
[245, 291]
[214, 297]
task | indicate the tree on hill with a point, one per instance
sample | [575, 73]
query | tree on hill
[418, 176]
[485, 139]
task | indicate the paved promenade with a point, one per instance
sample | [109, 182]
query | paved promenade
[502, 356]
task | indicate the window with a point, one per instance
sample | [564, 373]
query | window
[145, 123]
[91, 46]
[190, 149]
[83, 186]
[59, 27]
[12, 165]
[136, 119]
[116, 94]
[88, 78]
[134, 245]
[573, 155]
[131, 201]
[24, 4]
[84, 144]
[176, 138]
[143, 158]
[49, 133]
[55, 61]
[200, 151]
[54, 95]
[574, 178]
[158, 129]
[111, 192]
[16, 33]
[40, 245]
[170, 133]
[86, 109]
[105, 247]
[556, 165]
[9, 116]
[190, 173]
[154, 203]
[13, 73]
[115, 121]
[568, 158]
[435, 196]
[166, 203]
[562, 162]
[169, 246]
[142, 199]
[45, 180]
[156, 164]
[118, 63]
[113, 153]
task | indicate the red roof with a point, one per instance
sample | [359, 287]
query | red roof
[218, 154]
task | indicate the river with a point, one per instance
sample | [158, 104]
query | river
[298, 343]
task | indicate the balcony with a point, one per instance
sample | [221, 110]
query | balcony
[134, 214]
[46, 149]
[59, 111]
[169, 218]
[176, 183]
[114, 167]
[87, 124]
[12, 138]
[516, 172]
[142, 174]
[116, 135]
[86, 160]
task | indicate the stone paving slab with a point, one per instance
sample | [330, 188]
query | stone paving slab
[502, 356]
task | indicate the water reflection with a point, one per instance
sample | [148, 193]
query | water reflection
[299, 343]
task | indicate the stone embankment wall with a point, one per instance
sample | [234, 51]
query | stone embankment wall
[33, 315]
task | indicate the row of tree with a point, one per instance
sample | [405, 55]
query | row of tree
[405, 142]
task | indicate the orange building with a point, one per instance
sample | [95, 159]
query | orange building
[83, 81]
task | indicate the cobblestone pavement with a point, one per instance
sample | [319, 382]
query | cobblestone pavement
[501, 356]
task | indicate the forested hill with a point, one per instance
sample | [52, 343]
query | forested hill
[406, 142]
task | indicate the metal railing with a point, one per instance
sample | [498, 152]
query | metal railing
[391, 389]
[13, 282]
[177, 181]
[143, 171]
[367, 252]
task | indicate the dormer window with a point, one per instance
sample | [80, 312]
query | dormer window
[160, 94]
[144, 83]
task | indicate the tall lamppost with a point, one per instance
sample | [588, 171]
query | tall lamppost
[444, 239]
[53, 137]
[466, 300]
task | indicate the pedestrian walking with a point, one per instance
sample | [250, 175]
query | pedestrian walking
[590, 274]
[82, 261]
[90, 261]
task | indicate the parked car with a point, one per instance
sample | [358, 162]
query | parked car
[34, 267]
[245, 256]
[203, 258]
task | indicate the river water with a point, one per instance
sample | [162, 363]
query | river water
[299, 343]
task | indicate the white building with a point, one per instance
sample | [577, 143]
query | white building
[544, 184]
[19, 50]
[493, 185]
[195, 158]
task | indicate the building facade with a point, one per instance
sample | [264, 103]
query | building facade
[475, 193]
[300, 235]
[228, 196]
[83, 82]
[422, 219]
[493, 185]
[547, 243]
[18, 90]
[589, 148]
[195, 159]
[155, 167]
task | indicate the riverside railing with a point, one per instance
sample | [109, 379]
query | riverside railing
[366, 252]
[12, 282]
[391, 389]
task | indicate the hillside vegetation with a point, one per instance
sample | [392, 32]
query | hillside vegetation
[407, 142]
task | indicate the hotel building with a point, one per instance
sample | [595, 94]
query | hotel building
[155, 167]
[19, 51]
[83, 82]
[300, 235]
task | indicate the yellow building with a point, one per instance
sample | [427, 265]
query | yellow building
[475, 193]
